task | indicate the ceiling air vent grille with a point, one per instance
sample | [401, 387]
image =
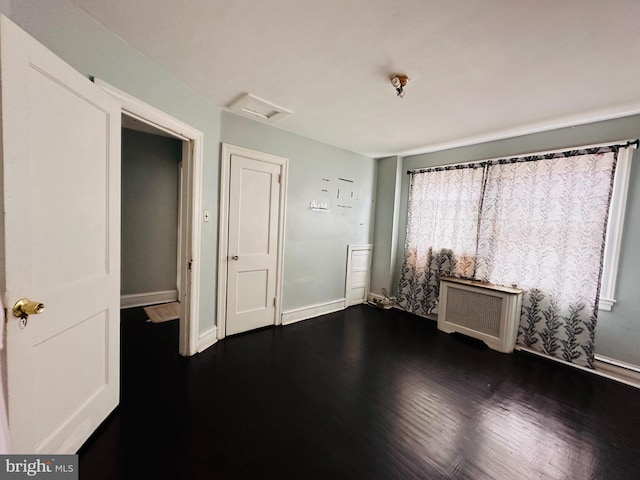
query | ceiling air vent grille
[254, 106]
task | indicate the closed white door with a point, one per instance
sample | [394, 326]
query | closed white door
[61, 246]
[254, 204]
[358, 274]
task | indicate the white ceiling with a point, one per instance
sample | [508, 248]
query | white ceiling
[479, 69]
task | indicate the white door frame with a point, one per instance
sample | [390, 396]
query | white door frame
[189, 233]
[223, 227]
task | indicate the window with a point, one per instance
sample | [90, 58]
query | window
[538, 223]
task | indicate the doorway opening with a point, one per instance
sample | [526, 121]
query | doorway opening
[145, 119]
[151, 164]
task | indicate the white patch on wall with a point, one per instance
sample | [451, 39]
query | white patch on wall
[340, 195]
[346, 195]
[322, 200]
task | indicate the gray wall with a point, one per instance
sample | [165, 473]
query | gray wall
[618, 331]
[315, 246]
[94, 51]
[385, 236]
[315, 242]
[150, 189]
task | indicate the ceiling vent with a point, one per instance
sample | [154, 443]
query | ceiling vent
[254, 106]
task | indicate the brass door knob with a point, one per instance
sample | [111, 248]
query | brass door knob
[25, 307]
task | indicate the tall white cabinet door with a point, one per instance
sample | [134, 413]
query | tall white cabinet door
[254, 204]
[358, 274]
[61, 246]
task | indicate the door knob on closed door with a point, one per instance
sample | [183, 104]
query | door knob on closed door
[25, 307]
[233, 257]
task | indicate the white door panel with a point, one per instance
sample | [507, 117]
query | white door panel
[61, 194]
[358, 274]
[254, 203]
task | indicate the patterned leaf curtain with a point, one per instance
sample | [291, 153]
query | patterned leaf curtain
[442, 230]
[542, 227]
[538, 222]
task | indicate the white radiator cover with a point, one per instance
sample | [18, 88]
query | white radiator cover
[490, 313]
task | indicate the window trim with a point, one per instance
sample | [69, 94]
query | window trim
[613, 242]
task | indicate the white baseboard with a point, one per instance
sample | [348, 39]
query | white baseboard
[374, 296]
[304, 313]
[623, 371]
[609, 373]
[149, 298]
[206, 339]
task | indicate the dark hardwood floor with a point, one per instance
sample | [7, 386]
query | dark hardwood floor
[360, 394]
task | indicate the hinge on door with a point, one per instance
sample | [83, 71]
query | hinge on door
[279, 177]
[274, 301]
[189, 263]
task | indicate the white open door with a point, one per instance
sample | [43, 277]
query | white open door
[60, 246]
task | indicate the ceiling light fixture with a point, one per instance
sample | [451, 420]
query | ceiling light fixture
[399, 82]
